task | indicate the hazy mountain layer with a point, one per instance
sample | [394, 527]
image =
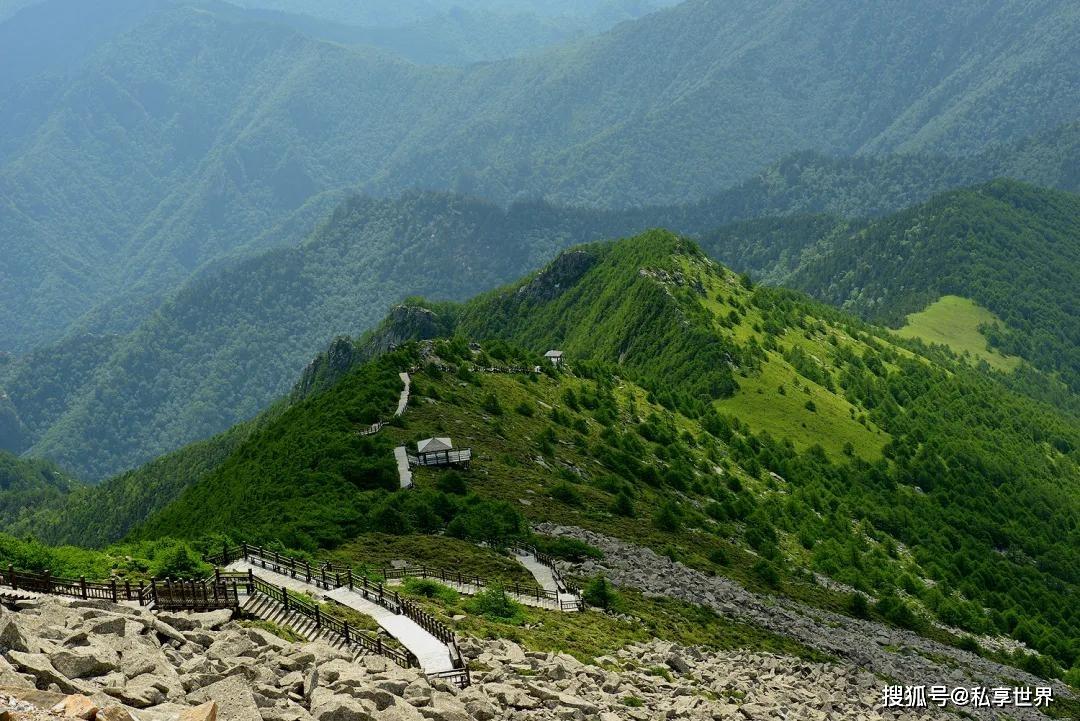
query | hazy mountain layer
[177, 135]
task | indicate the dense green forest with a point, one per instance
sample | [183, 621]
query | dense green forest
[951, 498]
[28, 485]
[193, 134]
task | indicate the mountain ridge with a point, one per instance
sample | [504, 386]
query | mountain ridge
[915, 492]
[223, 148]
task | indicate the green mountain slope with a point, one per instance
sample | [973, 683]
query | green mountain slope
[930, 485]
[27, 485]
[232, 342]
[1009, 247]
[95, 516]
[195, 133]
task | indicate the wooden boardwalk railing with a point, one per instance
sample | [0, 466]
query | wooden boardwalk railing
[202, 595]
[330, 576]
[327, 576]
[549, 561]
[455, 457]
[166, 594]
[45, 582]
[325, 621]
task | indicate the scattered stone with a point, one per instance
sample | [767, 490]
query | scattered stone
[203, 712]
[76, 706]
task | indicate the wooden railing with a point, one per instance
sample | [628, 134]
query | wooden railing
[439, 574]
[459, 676]
[549, 561]
[330, 576]
[45, 582]
[192, 595]
[455, 457]
[325, 621]
[202, 595]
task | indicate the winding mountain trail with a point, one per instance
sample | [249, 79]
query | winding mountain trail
[403, 401]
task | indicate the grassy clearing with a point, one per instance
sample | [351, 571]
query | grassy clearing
[954, 322]
[830, 420]
[831, 424]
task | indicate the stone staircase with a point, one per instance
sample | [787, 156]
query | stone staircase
[267, 609]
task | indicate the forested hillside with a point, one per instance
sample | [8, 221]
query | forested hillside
[1010, 247]
[190, 132]
[459, 33]
[909, 476]
[28, 487]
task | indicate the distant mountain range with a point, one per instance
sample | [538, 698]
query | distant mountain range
[142, 141]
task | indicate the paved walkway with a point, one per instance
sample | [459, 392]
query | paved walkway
[432, 653]
[403, 402]
[542, 573]
[404, 474]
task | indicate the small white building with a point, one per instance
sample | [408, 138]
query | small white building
[431, 445]
[555, 356]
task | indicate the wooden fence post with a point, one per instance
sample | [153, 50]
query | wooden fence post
[347, 639]
[318, 617]
[285, 598]
[115, 598]
[348, 574]
[11, 576]
[251, 582]
[225, 553]
[82, 586]
[127, 590]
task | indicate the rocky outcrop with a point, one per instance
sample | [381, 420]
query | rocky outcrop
[559, 275]
[883, 650]
[659, 680]
[404, 323]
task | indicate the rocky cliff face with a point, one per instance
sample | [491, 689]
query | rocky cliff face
[562, 273]
[404, 323]
[171, 667]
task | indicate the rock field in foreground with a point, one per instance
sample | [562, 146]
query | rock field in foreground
[159, 667]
